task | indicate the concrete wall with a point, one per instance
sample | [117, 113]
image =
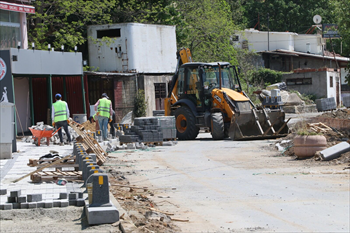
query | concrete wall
[39, 62]
[22, 104]
[258, 40]
[320, 83]
[143, 48]
[308, 43]
[147, 83]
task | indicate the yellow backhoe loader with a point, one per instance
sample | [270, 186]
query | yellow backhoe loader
[210, 95]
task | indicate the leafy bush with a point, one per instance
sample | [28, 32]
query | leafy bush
[265, 77]
[140, 104]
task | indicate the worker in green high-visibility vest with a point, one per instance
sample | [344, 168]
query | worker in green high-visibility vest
[59, 116]
[104, 111]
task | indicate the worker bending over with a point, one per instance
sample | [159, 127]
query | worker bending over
[59, 116]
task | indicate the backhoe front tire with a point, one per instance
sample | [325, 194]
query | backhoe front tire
[186, 128]
[217, 126]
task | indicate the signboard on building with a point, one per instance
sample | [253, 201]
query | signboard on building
[6, 90]
[17, 7]
[330, 31]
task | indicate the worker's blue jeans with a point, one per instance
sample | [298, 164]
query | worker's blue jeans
[103, 122]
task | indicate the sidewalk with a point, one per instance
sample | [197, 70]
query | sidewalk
[17, 167]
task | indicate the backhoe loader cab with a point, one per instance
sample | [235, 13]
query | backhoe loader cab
[210, 95]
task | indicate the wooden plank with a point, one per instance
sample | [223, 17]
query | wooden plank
[40, 169]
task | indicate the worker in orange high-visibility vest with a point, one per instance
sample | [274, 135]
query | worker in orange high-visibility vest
[104, 111]
[59, 116]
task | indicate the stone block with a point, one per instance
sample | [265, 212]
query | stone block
[8, 206]
[40, 204]
[3, 191]
[102, 215]
[34, 197]
[48, 204]
[100, 190]
[11, 199]
[64, 203]
[16, 205]
[335, 151]
[63, 195]
[56, 203]
[21, 199]
[73, 196]
[32, 205]
[24, 205]
[73, 202]
[80, 202]
[15, 193]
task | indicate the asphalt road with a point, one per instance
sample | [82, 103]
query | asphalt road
[226, 186]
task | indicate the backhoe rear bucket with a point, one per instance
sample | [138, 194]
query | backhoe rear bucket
[258, 124]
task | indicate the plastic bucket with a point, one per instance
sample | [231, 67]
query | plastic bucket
[79, 118]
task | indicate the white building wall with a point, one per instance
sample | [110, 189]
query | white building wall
[308, 43]
[143, 48]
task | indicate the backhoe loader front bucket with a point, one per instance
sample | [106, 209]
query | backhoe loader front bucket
[258, 124]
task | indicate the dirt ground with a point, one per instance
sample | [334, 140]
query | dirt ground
[137, 200]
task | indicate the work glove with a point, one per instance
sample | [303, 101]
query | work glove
[98, 113]
[110, 120]
[68, 121]
[53, 124]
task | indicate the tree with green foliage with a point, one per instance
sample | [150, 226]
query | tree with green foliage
[342, 12]
[205, 27]
[65, 22]
[140, 104]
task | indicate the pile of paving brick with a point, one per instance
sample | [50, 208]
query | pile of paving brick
[31, 201]
[145, 129]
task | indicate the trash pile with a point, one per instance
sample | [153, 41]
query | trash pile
[55, 138]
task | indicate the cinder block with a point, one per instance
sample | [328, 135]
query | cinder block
[32, 205]
[40, 204]
[21, 199]
[24, 205]
[63, 195]
[73, 196]
[16, 205]
[48, 204]
[64, 203]
[15, 193]
[80, 202]
[56, 203]
[8, 206]
[11, 199]
[34, 197]
[102, 215]
[3, 191]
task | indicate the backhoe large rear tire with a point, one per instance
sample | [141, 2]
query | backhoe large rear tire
[217, 126]
[186, 128]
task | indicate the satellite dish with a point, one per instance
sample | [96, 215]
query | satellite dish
[317, 19]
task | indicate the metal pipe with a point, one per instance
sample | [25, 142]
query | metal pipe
[31, 100]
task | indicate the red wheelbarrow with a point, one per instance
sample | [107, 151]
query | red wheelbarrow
[38, 134]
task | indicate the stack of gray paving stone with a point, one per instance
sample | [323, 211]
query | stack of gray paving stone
[145, 129]
[158, 113]
[167, 125]
[326, 104]
[346, 101]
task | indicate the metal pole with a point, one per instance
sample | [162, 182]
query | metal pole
[31, 100]
[268, 32]
[83, 91]
[14, 144]
[50, 97]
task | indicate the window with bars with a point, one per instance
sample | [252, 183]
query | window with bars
[160, 90]
[299, 81]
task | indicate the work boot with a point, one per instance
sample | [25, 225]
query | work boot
[61, 144]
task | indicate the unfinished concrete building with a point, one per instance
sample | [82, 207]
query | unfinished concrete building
[127, 57]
